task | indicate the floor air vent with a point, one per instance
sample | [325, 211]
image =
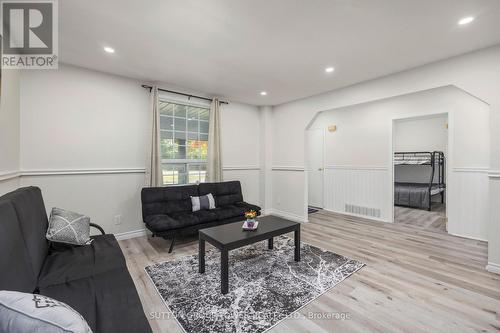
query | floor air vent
[359, 210]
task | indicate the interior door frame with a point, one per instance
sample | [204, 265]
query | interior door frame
[308, 166]
[448, 158]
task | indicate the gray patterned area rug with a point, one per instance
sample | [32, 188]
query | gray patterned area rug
[265, 286]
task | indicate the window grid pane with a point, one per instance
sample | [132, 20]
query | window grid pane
[184, 143]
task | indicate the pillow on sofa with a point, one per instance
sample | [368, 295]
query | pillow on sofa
[68, 227]
[20, 313]
[203, 202]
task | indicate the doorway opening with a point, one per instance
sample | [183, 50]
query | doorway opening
[315, 145]
[420, 156]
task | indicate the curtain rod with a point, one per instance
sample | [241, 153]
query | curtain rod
[183, 94]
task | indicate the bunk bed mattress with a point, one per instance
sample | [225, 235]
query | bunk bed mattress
[414, 194]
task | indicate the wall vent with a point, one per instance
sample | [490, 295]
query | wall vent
[360, 210]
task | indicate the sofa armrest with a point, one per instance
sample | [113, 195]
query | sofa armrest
[248, 206]
[98, 227]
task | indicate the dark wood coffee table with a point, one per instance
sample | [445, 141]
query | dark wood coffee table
[231, 236]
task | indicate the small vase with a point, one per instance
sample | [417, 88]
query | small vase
[250, 223]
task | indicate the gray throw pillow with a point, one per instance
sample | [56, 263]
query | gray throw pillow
[68, 227]
[21, 313]
[203, 202]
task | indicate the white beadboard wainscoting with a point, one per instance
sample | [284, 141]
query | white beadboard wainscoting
[363, 186]
[369, 187]
[468, 202]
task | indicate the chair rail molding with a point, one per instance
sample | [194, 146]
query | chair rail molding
[471, 169]
[55, 172]
[356, 167]
[240, 167]
[99, 171]
[7, 175]
[494, 174]
[288, 168]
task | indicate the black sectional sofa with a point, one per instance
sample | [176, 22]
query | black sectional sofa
[167, 211]
[92, 279]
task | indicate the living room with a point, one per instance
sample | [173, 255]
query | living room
[153, 110]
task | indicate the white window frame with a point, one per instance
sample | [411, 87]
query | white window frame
[186, 162]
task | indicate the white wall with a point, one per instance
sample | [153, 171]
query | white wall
[266, 135]
[478, 73]
[358, 156]
[84, 139]
[9, 131]
[241, 148]
[83, 142]
[421, 133]
[73, 118]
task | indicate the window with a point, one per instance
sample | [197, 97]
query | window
[184, 143]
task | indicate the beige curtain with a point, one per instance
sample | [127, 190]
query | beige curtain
[214, 157]
[153, 172]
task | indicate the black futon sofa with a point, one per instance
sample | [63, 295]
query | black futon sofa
[167, 211]
[92, 279]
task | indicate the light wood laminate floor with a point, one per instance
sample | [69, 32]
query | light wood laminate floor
[416, 280]
[434, 220]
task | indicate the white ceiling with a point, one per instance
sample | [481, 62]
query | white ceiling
[237, 48]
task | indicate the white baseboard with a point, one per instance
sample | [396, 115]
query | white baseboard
[468, 237]
[267, 212]
[493, 268]
[130, 234]
[287, 215]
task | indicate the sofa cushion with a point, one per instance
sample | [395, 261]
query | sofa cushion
[167, 200]
[78, 262]
[225, 193]
[185, 219]
[229, 211]
[16, 270]
[108, 301]
[26, 312]
[68, 227]
[30, 210]
[205, 216]
[162, 223]
[159, 223]
[203, 202]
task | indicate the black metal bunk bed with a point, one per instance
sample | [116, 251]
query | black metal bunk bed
[419, 195]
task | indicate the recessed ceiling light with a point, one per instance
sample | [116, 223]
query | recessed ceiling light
[109, 49]
[329, 69]
[263, 93]
[466, 20]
